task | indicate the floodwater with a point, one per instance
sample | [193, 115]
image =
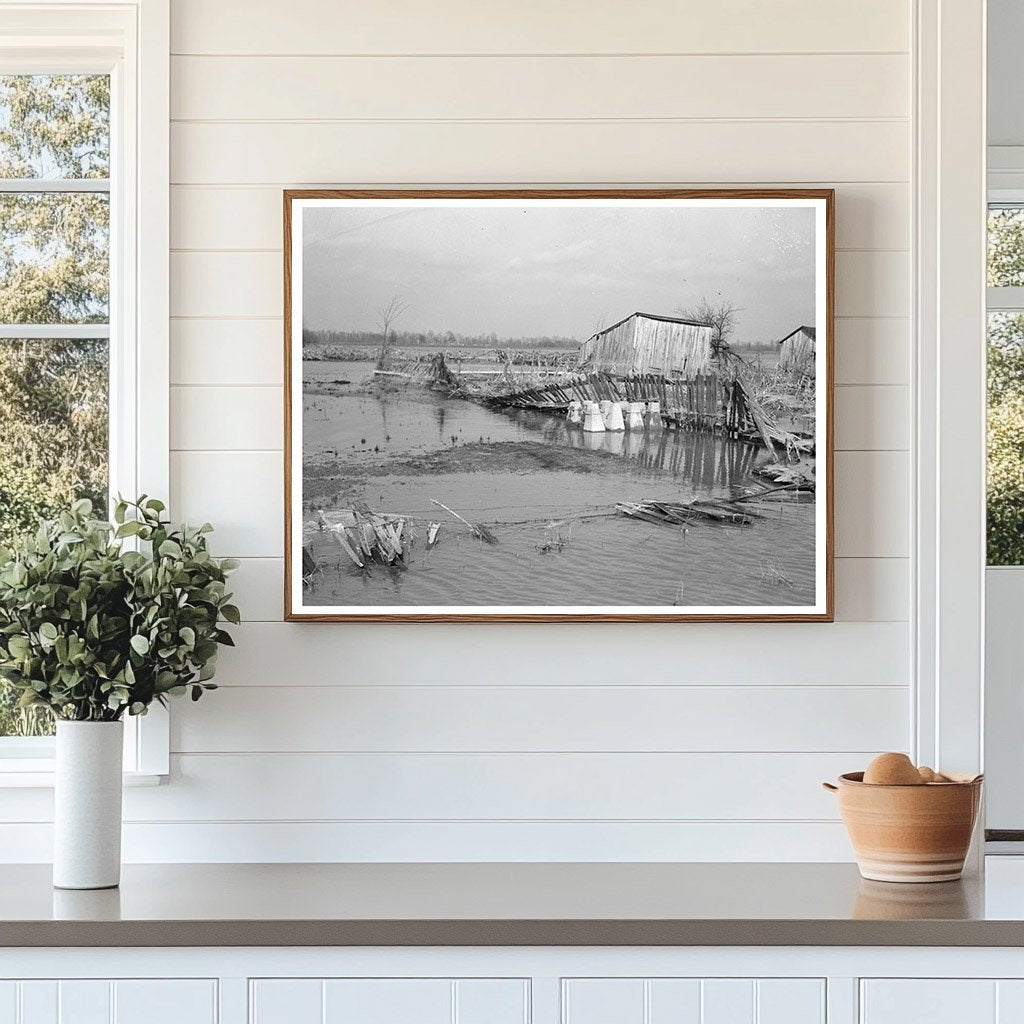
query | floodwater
[559, 540]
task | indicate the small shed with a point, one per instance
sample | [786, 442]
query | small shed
[647, 343]
[797, 349]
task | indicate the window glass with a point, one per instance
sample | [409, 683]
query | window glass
[54, 273]
[54, 126]
[54, 258]
[1005, 246]
[1005, 478]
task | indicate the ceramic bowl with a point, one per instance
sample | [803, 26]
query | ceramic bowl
[909, 833]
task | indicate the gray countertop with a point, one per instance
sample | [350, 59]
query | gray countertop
[502, 904]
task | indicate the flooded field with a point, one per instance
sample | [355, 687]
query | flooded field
[547, 491]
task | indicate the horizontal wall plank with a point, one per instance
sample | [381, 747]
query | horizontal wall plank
[873, 283]
[867, 589]
[233, 284]
[871, 350]
[868, 350]
[872, 590]
[234, 418]
[240, 217]
[872, 504]
[629, 719]
[574, 151]
[242, 494]
[536, 26]
[872, 418]
[258, 586]
[535, 87]
[462, 842]
[375, 787]
[868, 216]
[479, 654]
[219, 352]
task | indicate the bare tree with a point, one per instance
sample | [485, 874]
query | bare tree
[721, 315]
[386, 316]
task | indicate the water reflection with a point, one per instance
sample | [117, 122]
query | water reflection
[409, 422]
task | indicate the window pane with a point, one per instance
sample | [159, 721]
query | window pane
[1005, 484]
[54, 257]
[53, 449]
[1005, 246]
[54, 126]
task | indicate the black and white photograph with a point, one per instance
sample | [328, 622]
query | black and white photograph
[559, 405]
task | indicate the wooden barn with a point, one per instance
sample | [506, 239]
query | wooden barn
[798, 349]
[646, 343]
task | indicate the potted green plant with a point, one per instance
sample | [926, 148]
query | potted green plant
[99, 620]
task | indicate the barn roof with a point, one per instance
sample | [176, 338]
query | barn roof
[811, 331]
[652, 316]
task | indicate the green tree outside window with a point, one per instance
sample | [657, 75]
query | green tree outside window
[54, 270]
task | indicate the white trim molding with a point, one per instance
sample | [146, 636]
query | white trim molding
[950, 216]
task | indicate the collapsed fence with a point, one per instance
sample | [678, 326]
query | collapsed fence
[706, 402]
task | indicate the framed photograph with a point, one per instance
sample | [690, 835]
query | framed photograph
[558, 405]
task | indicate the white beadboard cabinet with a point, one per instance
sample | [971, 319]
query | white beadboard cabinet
[942, 1001]
[513, 985]
[105, 1001]
[693, 1001]
[389, 1001]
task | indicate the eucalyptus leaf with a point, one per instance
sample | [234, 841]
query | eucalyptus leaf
[93, 631]
[170, 549]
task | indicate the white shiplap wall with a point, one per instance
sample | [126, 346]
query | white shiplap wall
[627, 741]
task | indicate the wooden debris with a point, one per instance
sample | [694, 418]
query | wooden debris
[799, 475]
[477, 529]
[367, 536]
[682, 513]
[310, 566]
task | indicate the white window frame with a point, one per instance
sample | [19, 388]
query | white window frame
[1003, 719]
[130, 41]
[949, 403]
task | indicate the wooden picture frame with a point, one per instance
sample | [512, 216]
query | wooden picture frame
[732, 421]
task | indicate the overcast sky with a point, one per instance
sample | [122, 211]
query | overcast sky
[555, 270]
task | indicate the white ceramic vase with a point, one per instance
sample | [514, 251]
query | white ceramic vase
[87, 806]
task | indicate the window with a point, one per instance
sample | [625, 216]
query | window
[1005, 476]
[54, 309]
[84, 125]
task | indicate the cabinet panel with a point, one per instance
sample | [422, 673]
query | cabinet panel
[286, 1001]
[674, 1000]
[492, 1002]
[84, 1002]
[791, 1001]
[727, 1001]
[388, 1001]
[165, 1002]
[38, 1002]
[1010, 1002]
[693, 1001]
[101, 1001]
[929, 1001]
[8, 1002]
[603, 1001]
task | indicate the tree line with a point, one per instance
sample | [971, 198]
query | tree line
[439, 340]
